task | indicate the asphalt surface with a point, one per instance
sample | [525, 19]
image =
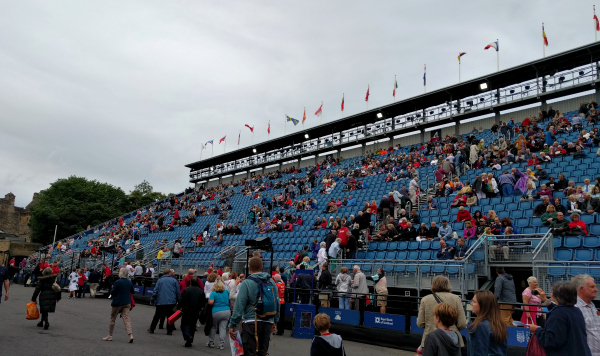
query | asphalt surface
[79, 325]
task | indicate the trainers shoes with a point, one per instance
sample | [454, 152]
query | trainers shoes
[221, 347]
[210, 344]
[108, 338]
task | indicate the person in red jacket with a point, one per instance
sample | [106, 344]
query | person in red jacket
[463, 214]
[55, 268]
[577, 224]
[343, 234]
[81, 283]
[281, 291]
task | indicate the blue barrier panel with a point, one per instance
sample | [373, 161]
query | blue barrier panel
[343, 316]
[302, 321]
[518, 336]
[289, 309]
[413, 326]
[385, 321]
[138, 290]
[149, 291]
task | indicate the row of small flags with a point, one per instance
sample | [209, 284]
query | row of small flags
[319, 112]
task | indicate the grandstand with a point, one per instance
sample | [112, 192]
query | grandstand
[405, 126]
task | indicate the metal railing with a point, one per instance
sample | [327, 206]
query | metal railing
[549, 272]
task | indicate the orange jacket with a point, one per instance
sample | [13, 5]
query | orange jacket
[281, 289]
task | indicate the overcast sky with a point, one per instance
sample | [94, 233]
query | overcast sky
[122, 91]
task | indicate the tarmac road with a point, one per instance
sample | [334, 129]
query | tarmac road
[78, 326]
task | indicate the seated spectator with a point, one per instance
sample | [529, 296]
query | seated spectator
[469, 231]
[559, 207]
[573, 204]
[529, 193]
[461, 249]
[463, 214]
[493, 247]
[540, 173]
[541, 208]
[431, 204]
[409, 233]
[298, 221]
[576, 226]
[433, 231]
[382, 234]
[545, 191]
[471, 199]
[423, 233]
[578, 154]
[466, 188]
[506, 223]
[560, 226]
[549, 215]
[414, 218]
[445, 231]
[459, 200]
[480, 226]
[445, 252]
[496, 226]
[589, 205]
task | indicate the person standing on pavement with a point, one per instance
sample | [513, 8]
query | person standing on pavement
[94, 279]
[219, 299]
[165, 296]
[504, 291]
[192, 301]
[359, 285]
[4, 281]
[253, 331]
[281, 294]
[121, 292]
[586, 293]
[48, 297]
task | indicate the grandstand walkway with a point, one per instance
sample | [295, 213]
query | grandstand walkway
[79, 325]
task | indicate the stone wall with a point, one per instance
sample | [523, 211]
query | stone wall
[14, 220]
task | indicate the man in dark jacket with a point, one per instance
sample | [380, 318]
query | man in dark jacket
[192, 301]
[445, 252]
[504, 291]
[540, 209]
[461, 249]
[304, 284]
[325, 278]
[48, 297]
[165, 296]
[385, 205]
[560, 226]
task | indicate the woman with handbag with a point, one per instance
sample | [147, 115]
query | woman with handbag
[122, 292]
[48, 296]
[532, 295]
[441, 293]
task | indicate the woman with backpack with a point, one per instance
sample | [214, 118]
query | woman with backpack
[219, 299]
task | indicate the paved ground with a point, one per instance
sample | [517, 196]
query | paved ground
[79, 325]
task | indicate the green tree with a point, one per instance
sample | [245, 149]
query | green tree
[73, 204]
[142, 195]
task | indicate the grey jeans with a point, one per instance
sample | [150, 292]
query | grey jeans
[220, 320]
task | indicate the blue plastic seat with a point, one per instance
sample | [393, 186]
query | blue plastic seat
[502, 214]
[577, 269]
[413, 245]
[435, 245]
[403, 245]
[399, 268]
[516, 214]
[557, 242]
[390, 255]
[523, 222]
[452, 269]
[478, 255]
[512, 206]
[392, 246]
[413, 255]
[591, 241]
[587, 219]
[557, 270]
[401, 255]
[425, 245]
[425, 255]
[594, 229]
[361, 255]
[584, 255]
[563, 255]
[383, 246]
[370, 255]
[438, 268]
[572, 242]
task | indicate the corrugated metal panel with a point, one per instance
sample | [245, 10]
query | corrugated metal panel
[307, 163]
[408, 140]
[352, 153]
[448, 131]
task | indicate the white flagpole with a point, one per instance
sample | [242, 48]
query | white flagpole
[498, 55]
[425, 84]
[303, 118]
[285, 127]
[344, 101]
[459, 70]
[543, 40]
[394, 87]
[595, 32]
[253, 136]
[225, 145]
[321, 114]
[201, 149]
[240, 135]
[212, 149]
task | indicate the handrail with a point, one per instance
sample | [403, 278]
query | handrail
[545, 239]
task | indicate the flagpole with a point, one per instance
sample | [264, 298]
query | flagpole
[240, 135]
[343, 101]
[201, 149]
[497, 55]
[394, 88]
[225, 145]
[269, 131]
[253, 136]
[459, 69]
[543, 43]
[303, 118]
[425, 82]
[212, 149]
[285, 127]
[595, 32]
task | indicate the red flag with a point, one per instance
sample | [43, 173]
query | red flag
[367, 97]
[596, 20]
[221, 140]
[251, 128]
[544, 35]
[304, 117]
[320, 111]
[269, 127]
[395, 87]
[342, 102]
